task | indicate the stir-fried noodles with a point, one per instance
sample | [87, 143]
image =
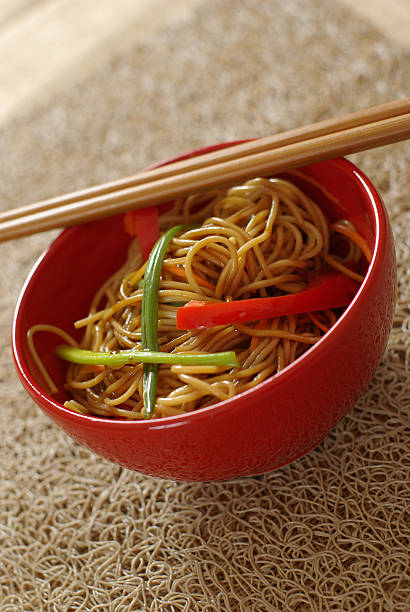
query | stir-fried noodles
[263, 238]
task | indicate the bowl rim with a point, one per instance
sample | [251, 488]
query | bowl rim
[45, 400]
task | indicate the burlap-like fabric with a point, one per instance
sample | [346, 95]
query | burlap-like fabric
[330, 531]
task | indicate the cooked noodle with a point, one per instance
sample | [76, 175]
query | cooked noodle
[255, 240]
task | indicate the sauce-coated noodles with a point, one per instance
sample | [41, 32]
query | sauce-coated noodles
[255, 240]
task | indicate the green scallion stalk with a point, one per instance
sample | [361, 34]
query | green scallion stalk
[149, 315]
[117, 359]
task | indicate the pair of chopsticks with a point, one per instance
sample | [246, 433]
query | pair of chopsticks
[365, 129]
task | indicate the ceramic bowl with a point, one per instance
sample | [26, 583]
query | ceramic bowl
[256, 431]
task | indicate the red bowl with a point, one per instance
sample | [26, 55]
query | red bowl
[256, 431]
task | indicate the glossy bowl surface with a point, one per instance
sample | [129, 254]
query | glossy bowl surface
[256, 431]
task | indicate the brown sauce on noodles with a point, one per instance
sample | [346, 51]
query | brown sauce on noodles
[254, 240]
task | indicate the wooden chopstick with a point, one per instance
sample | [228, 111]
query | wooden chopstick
[361, 117]
[365, 129]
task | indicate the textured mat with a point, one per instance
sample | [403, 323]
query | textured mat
[329, 532]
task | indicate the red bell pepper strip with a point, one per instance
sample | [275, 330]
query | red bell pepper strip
[144, 224]
[323, 292]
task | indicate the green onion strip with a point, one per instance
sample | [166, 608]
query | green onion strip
[116, 359]
[149, 315]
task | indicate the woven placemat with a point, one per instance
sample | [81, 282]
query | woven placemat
[330, 531]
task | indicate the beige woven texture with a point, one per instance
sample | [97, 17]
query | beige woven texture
[329, 532]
